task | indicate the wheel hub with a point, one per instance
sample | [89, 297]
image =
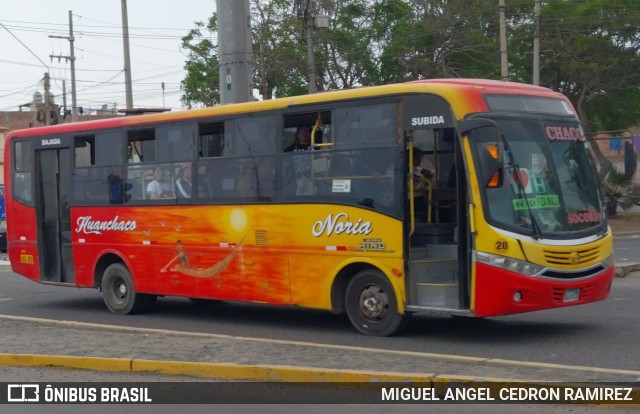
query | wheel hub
[122, 290]
[373, 302]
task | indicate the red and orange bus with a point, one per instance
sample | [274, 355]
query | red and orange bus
[458, 196]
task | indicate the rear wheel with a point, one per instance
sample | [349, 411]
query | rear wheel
[372, 305]
[119, 293]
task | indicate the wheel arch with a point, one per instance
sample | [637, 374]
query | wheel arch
[107, 259]
[348, 271]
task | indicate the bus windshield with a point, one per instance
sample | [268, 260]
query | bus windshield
[548, 184]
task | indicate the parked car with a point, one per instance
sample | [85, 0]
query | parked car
[3, 236]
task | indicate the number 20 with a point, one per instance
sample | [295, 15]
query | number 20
[502, 245]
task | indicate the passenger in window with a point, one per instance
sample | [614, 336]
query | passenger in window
[421, 175]
[160, 187]
[303, 139]
[301, 164]
[183, 182]
[116, 186]
[423, 182]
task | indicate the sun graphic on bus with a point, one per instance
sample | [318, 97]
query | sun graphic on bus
[238, 220]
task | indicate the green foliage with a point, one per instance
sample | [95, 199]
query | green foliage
[591, 55]
[590, 49]
[279, 59]
[620, 191]
[201, 86]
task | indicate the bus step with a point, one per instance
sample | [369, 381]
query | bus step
[437, 295]
[435, 251]
[434, 271]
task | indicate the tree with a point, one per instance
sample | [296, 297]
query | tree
[590, 49]
[591, 54]
[201, 86]
[278, 59]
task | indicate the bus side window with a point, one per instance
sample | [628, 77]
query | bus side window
[23, 165]
[141, 146]
[217, 178]
[135, 182]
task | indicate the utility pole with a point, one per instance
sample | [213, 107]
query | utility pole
[311, 58]
[504, 66]
[234, 50]
[47, 101]
[310, 22]
[72, 59]
[127, 59]
[64, 98]
[163, 95]
[536, 42]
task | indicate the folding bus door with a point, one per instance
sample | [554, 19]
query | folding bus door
[53, 184]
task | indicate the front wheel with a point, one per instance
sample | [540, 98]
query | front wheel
[119, 293]
[372, 305]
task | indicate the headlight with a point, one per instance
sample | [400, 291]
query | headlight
[609, 261]
[509, 263]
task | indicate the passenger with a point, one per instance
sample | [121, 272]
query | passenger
[302, 141]
[183, 182]
[422, 181]
[421, 175]
[160, 187]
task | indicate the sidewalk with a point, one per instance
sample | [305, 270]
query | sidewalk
[41, 342]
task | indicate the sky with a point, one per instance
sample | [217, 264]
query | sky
[155, 31]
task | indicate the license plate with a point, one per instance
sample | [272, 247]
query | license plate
[571, 295]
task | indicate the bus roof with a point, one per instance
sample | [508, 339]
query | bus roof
[451, 89]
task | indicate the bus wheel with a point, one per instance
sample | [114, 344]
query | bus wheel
[372, 305]
[119, 293]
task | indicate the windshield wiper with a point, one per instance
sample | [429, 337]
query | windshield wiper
[535, 228]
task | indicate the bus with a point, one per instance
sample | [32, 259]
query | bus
[461, 197]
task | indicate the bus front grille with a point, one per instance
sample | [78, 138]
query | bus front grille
[575, 257]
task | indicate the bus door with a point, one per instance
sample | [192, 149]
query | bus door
[438, 266]
[53, 185]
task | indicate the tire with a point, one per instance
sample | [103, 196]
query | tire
[372, 305]
[119, 292]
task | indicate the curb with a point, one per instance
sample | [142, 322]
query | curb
[339, 378]
[271, 372]
[227, 371]
[626, 270]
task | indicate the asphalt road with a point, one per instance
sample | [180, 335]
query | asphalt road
[602, 334]
[627, 248]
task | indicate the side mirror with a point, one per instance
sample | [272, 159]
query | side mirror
[490, 168]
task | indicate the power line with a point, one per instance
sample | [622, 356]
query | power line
[25, 46]
[12, 62]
